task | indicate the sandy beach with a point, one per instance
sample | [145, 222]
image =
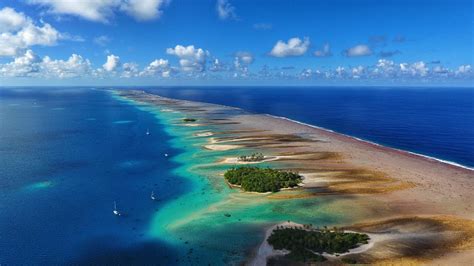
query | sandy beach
[403, 193]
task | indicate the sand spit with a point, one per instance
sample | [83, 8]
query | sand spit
[235, 160]
[221, 147]
[204, 134]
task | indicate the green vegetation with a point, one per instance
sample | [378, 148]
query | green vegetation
[261, 180]
[255, 157]
[186, 120]
[307, 244]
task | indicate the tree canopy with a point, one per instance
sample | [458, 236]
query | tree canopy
[261, 179]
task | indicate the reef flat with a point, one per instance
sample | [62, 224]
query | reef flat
[418, 209]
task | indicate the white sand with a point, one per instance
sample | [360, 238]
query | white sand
[221, 147]
[235, 160]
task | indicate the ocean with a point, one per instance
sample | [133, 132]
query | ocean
[66, 154]
[436, 122]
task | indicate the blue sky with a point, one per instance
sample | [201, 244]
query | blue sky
[236, 42]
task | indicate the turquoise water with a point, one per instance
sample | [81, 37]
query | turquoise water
[68, 154]
[437, 122]
[198, 219]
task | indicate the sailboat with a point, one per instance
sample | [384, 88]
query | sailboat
[116, 212]
[152, 196]
[147, 132]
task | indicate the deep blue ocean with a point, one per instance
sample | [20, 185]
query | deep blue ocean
[66, 154]
[437, 122]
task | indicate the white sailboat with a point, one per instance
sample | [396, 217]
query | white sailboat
[152, 196]
[147, 132]
[116, 212]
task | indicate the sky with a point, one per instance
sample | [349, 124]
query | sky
[236, 42]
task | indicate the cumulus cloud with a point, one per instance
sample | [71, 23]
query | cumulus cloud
[415, 69]
[159, 67]
[30, 65]
[10, 20]
[385, 67]
[143, 9]
[324, 52]
[18, 32]
[294, 47]
[23, 66]
[225, 10]
[112, 63]
[75, 66]
[340, 71]
[358, 72]
[358, 50]
[129, 70]
[242, 60]
[464, 69]
[217, 66]
[245, 57]
[102, 10]
[191, 59]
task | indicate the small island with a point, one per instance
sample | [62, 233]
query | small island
[255, 157]
[187, 120]
[261, 179]
[309, 244]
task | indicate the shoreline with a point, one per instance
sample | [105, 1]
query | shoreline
[265, 251]
[327, 130]
[431, 158]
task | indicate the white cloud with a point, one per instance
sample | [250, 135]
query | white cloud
[385, 68]
[10, 20]
[294, 47]
[75, 66]
[463, 69]
[358, 50]
[415, 69]
[225, 10]
[102, 10]
[112, 63]
[30, 65]
[157, 67]
[324, 52]
[129, 70]
[191, 59]
[440, 70]
[18, 33]
[242, 60]
[23, 66]
[144, 9]
[245, 57]
[340, 71]
[358, 72]
[217, 66]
